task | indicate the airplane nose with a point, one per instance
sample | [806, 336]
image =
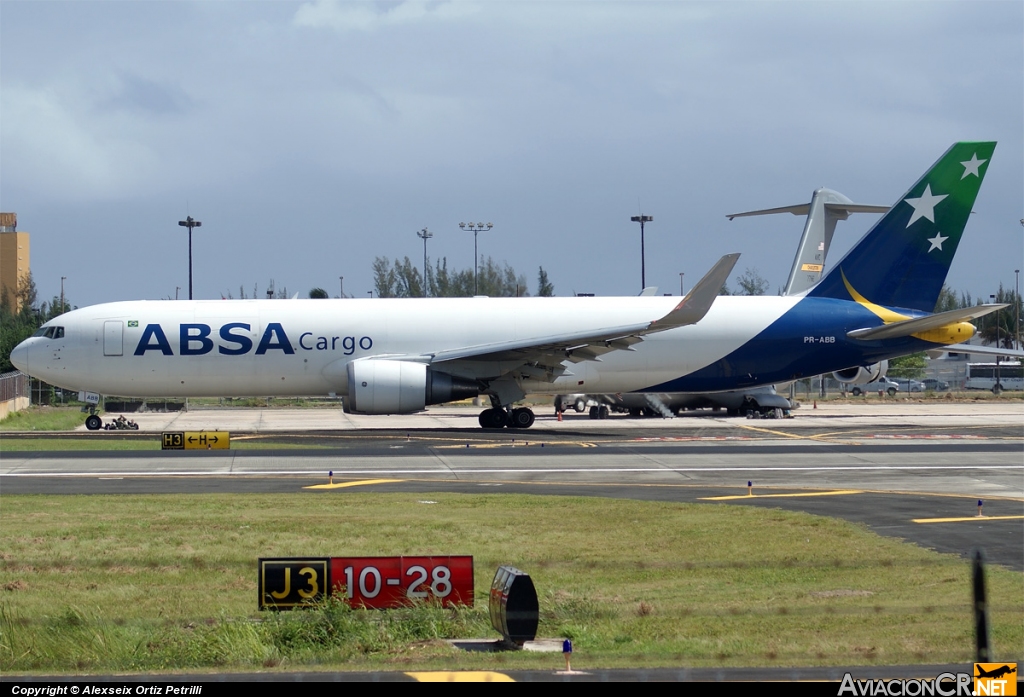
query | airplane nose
[19, 357]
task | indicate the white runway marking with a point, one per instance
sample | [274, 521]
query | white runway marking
[520, 470]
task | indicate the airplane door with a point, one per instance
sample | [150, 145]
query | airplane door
[113, 338]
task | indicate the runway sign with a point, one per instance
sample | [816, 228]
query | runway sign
[196, 440]
[287, 583]
[388, 582]
[365, 582]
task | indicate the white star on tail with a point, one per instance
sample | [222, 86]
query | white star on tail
[937, 241]
[972, 165]
[924, 207]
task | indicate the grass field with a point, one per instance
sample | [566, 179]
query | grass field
[119, 583]
[43, 419]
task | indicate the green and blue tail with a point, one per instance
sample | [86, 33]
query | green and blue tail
[903, 260]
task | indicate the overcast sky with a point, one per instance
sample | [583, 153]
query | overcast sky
[310, 138]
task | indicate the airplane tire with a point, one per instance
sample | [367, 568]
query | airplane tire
[593, 412]
[93, 422]
[579, 406]
[492, 418]
[522, 418]
[602, 412]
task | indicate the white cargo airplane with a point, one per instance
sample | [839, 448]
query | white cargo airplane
[388, 356]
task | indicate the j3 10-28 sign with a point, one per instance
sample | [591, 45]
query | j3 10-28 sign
[366, 582]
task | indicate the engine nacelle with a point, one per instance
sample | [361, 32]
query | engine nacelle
[377, 386]
[858, 375]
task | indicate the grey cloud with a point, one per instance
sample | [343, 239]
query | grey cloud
[138, 93]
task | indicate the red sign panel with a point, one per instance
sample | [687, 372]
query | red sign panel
[388, 582]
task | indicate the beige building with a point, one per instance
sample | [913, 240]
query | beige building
[14, 261]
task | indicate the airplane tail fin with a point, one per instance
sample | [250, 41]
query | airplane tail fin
[903, 260]
[826, 208]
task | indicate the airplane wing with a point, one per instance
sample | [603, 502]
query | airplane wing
[920, 324]
[974, 348]
[542, 357]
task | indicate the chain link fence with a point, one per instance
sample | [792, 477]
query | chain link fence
[13, 385]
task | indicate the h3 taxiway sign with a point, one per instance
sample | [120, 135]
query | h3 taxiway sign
[196, 440]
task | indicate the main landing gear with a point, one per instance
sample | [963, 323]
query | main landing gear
[499, 417]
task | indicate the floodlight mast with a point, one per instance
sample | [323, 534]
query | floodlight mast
[475, 228]
[424, 235]
[643, 270]
[189, 223]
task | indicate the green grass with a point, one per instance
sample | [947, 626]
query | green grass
[72, 443]
[133, 583]
[43, 419]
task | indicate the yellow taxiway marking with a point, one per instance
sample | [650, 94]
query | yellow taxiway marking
[841, 492]
[967, 520]
[361, 482]
[460, 676]
[826, 437]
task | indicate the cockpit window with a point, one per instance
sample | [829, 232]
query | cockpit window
[50, 332]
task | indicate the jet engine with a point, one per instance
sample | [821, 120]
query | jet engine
[858, 375]
[378, 386]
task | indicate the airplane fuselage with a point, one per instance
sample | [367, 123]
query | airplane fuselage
[237, 348]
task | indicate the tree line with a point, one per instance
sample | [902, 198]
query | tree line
[404, 279]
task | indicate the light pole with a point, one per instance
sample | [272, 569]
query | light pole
[189, 223]
[176, 289]
[995, 315]
[424, 235]
[477, 228]
[643, 270]
[341, 280]
[680, 283]
[62, 279]
[1016, 311]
